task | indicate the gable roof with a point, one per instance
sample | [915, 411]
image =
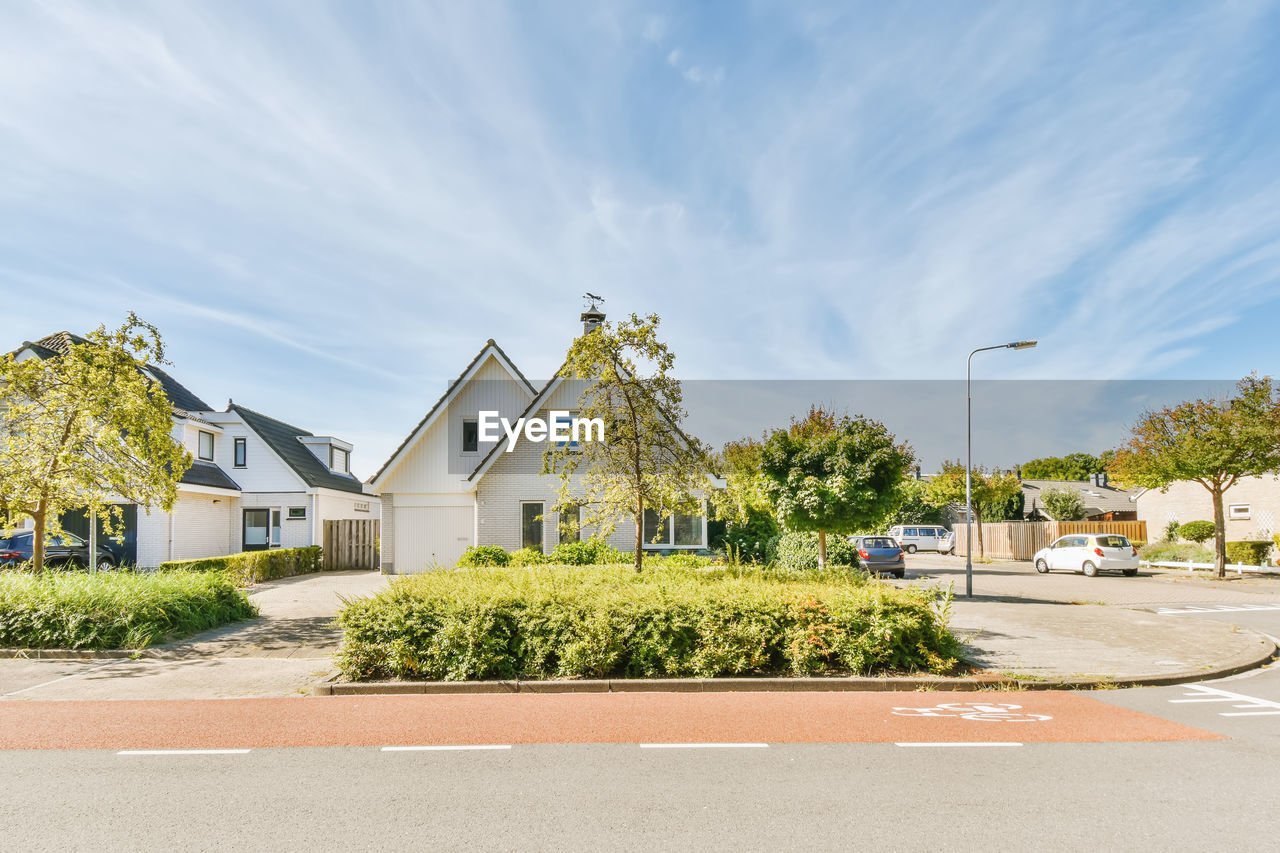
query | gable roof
[60, 343]
[1097, 499]
[283, 439]
[490, 348]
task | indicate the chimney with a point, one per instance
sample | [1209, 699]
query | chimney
[591, 318]
[917, 472]
[1102, 479]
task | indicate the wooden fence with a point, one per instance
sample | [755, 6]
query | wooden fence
[1019, 540]
[351, 543]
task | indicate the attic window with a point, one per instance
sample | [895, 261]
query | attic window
[204, 446]
[339, 460]
[470, 435]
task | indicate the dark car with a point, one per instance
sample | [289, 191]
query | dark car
[881, 555]
[63, 549]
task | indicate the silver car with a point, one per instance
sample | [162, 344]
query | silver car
[1089, 553]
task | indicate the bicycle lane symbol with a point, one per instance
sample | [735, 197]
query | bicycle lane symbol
[999, 712]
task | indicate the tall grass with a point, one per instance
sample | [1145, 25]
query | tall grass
[570, 621]
[114, 610]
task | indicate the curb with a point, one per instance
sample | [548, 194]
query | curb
[331, 686]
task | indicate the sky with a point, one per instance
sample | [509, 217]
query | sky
[329, 208]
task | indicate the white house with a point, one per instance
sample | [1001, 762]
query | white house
[445, 488]
[256, 482]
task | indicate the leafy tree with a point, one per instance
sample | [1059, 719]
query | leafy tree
[1198, 532]
[1063, 504]
[1073, 466]
[747, 513]
[832, 474]
[915, 508]
[1212, 442]
[646, 461]
[991, 491]
[86, 429]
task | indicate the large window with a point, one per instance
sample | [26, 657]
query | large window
[531, 525]
[570, 524]
[339, 459]
[205, 446]
[675, 531]
[240, 453]
[470, 436]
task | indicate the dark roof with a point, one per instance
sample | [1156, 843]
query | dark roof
[1097, 499]
[59, 343]
[454, 384]
[208, 474]
[283, 439]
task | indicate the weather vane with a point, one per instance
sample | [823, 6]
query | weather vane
[593, 301]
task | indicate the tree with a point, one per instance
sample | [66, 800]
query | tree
[1211, 442]
[1197, 531]
[747, 513]
[991, 492]
[646, 461]
[85, 429]
[833, 474]
[1073, 466]
[914, 508]
[1063, 504]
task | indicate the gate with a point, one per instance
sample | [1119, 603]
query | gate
[351, 543]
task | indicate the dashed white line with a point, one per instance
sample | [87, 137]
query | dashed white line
[961, 743]
[1214, 608]
[704, 746]
[446, 747]
[182, 752]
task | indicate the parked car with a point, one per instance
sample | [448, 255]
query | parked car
[948, 543]
[881, 555]
[919, 537]
[1089, 553]
[64, 549]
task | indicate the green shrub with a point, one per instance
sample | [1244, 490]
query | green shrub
[799, 551]
[589, 552]
[466, 624]
[483, 555]
[1171, 531]
[753, 540]
[114, 610]
[253, 567]
[1175, 552]
[1250, 552]
[1197, 531]
[526, 557]
[678, 560]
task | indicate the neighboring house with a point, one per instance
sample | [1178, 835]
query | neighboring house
[444, 490]
[1102, 502]
[256, 482]
[1251, 507]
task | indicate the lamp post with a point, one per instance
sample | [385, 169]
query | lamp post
[968, 460]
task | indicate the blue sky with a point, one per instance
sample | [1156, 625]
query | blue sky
[329, 208]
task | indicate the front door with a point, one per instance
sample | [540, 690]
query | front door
[257, 529]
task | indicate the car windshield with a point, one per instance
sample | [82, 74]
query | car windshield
[878, 542]
[11, 539]
[1112, 542]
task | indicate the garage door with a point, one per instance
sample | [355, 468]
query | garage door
[428, 536]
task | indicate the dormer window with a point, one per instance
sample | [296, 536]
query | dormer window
[204, 446]
[339, 460]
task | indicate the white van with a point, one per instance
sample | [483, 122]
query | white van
[919, 537]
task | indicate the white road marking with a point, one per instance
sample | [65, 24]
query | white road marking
[704, 745]
[961, 743]
[445, 748]
[1214, 608]
[182, 752]
[114, 662]
[989, 711]
[1250, 706]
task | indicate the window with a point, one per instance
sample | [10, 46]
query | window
[531, 525]
[687, 530]
[338, 459]
[297, 512]
[240, 453]
[570, 524]
[205, 447]
[1239, 511]
[275, 528]
[361, 506]
[652, 536]
[563, 425]
[470, 436]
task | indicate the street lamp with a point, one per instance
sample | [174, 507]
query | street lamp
[968, 461]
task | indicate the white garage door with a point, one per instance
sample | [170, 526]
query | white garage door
[428, 536]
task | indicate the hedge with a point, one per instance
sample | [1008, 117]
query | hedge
[799, 551]
[566, 622]
[1248, 552]
[253, 567]
[114, 610]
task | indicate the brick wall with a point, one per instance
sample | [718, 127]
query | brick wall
[1190, 501]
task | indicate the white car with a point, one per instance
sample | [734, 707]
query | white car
[1089, 553]
[919, 537]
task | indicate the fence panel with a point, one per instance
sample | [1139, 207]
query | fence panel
[351, 543]
[1019, 540]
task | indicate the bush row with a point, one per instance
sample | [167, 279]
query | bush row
[1249, 552]
[114, 610]
[541, 622]
[253, 567]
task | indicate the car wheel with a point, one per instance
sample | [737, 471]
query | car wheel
[911, 549]
[1090, 570]
[1042, 567]
[900, 574]
[105, 564]
[1130, 572]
